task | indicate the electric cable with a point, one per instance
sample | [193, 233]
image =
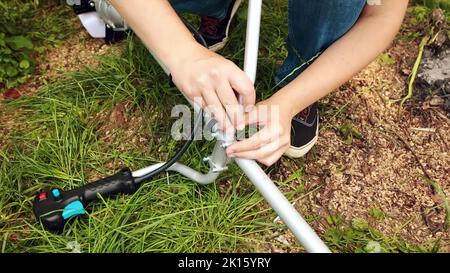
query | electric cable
[198, 121]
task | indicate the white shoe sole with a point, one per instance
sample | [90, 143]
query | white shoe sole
[220, 45]
[297, 152]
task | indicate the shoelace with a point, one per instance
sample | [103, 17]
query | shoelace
[209, 25]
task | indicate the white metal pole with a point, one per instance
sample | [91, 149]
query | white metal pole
[252, 38]
[299, 227]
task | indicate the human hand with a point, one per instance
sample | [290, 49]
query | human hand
[267, 145]
[211, 81]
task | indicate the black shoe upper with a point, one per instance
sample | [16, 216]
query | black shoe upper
[304, 126]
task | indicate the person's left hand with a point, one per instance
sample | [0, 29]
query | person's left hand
[267, 145]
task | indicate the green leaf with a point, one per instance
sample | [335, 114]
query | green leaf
[334, 219]
[19, 42]
[373, 247]
[349, 140]
[6, 50]
[11, 83]
[334, 235]
[360, 224]
[242, 14]
[386, 59]
[23, 79]
[350, 235]
[377, 213]
[421, 13]
[432, 4]
[349, 133]
[11, 71]
[40, 49]
[24, 64]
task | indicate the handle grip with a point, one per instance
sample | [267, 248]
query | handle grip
[54, 208]
[121, 182]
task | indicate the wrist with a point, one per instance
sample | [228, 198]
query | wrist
[285, 102]
[297, 96]
[188, 53]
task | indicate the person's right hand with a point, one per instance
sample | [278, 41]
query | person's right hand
[211, 81]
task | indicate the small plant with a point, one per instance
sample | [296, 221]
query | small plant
[377, 214]
[25, 28]
[16, 61]
[386, 59]
[360, 224]
[373, 247]
[349, 133]
[334, 220]
[433, 4]
[359, 236]
[420, 14]
[16, 49]
[423, 8]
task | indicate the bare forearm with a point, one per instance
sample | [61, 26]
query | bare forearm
[159, 27]
[200, 74]
[371, 35]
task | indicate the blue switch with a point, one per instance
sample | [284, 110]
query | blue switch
[56, 193]
[73, 209]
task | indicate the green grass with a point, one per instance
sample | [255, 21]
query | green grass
[60, 144]
[359, 236]
[26, 29]
[59, 140]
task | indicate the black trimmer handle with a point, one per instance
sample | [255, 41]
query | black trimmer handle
[55, 207]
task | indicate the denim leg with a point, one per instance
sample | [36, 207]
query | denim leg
[213, 8]
[313, 25]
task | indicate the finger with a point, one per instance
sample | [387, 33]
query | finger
[215, 108]
[232, 107]
[240, 82]
[255, 142]
[270, 160]
[258, 115]
[261, 153]
[252, 117]
[199, 101]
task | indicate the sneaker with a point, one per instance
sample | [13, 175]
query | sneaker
[304, 132]
[215, 31]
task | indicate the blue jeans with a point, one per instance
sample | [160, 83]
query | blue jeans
[313, 25]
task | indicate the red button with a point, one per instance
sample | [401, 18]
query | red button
[42, 196]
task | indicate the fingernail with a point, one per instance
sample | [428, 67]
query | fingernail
[249, 108]
[241, 127]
